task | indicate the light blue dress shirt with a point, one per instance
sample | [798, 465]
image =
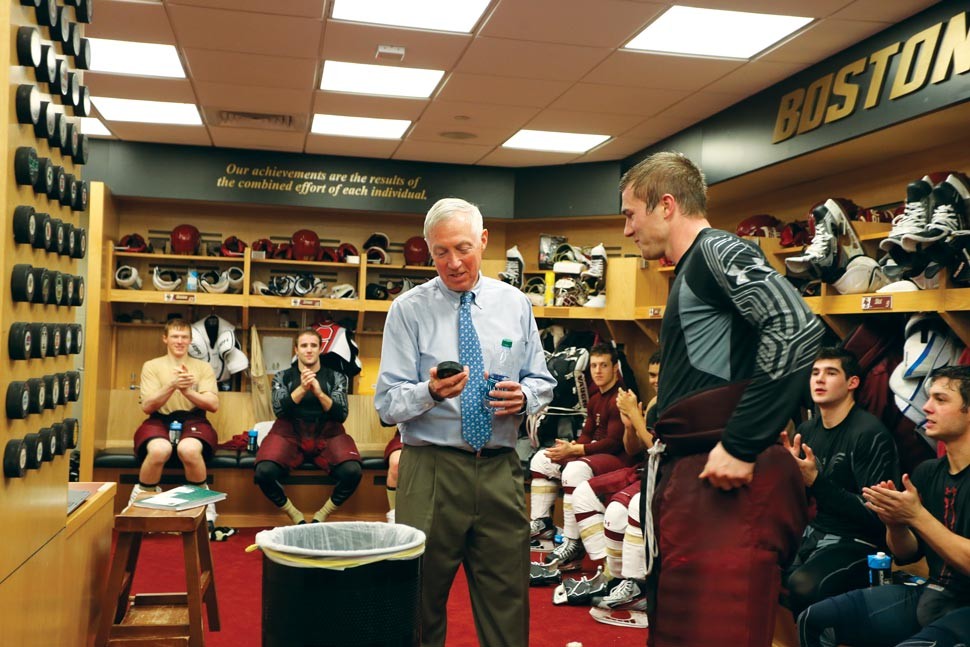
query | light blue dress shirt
[422, 330]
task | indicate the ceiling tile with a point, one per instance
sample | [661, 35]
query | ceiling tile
[892, 11]
[753, 77]
[227, 96]
[814, 9]
[251, 69]
[352, 146]
[303, 8]
[163, 134]
[483, 135]
[457, 113]
[567, 21]
[261, 139]
[592, 97]
[422, 151]
[519, 58]
[501, 91]
[614, 149]
[823, 39]
[146, 88]
[239, 31]
[660, 71]
[142, 22]
[357, 43]
[517, 157]
[362, 105]
[595, 123]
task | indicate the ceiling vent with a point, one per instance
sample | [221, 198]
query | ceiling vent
[255, 120]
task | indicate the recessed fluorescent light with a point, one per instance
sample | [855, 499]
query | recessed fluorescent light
[140, 59]
[379, 79]
[154, 112]
[714, 32]
[441, 15]
[359, 126]
[94, 127]
[548, 140]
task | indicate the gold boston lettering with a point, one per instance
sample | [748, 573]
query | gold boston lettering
[845, 89]
[955, 47]
[914, 67]
[788, 112]
[816, 100]
[880, 63]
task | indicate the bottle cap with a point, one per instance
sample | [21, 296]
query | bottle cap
[880, 560]
[253, 432]
[507, 343]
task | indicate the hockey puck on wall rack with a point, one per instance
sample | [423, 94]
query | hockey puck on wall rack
[37, 395]
[53, 385]
[30, 3]
[28, 47]
[77, 338]
[43, 238]
[61, 435]
[61, 27]
[73, 431]
[83, 189]
[75, 377]
[27, 104]
[73, 94]
[22, 282]
[72, 46]
[67, 338]
[83, 107]
[18, 400]
[34, 451]
[68, 290]
[14, 458]
[18, 342]
[39, 338]
[45, 176]
[83, 59]
[59, 84]
[53, 340]
[80, 247]
[70, 190]
[24, 225]
[42, 284]
[60, 237]
[59, 184]
[81, 157]
[44, 128]
[56, 295]
[25, 165]
[63, 388]
[78, 291]
[71, 237]
[84, 10]
[48, 444]
[46, 12]
[47, 70]
[60, 131]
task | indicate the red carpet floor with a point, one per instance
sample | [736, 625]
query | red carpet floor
[238, 583]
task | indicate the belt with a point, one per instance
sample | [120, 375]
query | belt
[484, 452]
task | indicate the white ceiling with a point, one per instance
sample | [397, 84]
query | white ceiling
[539, 64]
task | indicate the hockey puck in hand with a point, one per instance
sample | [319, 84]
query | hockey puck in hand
[449, 369]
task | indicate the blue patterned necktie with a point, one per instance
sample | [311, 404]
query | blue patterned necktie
[476, 420]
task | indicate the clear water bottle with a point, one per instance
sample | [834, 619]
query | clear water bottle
[880, 569]
[175, 431]
[502, 369]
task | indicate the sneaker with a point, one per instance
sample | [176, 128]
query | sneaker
[568, 555]
[138, 490]
[581, 591]
[626, 595]
[514, 267]
[913, 219]
[949, 216]
[541, 528]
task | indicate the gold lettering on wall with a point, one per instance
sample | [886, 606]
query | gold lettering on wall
[323, 183]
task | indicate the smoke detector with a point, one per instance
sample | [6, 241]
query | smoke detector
[391, 53]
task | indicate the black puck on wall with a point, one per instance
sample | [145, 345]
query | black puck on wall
[24, 225]
[37, 394]
[47, 70]
[18, 400]
[75, 378]
[22, 282]
[79, 290]
[27, 104]
[42, 284]
[34, 451]
[59, 136]
[39, 338]
[80, 247]
[45, 176]
[61, 435]
[18, 342]
[83, 58]
[73, 431]
[28, 47]
[70, 190]
[72, 46]
[44, 128]
[54, 340]
[48, 443]
[46, 12]
[76, 340]
[84, 11]
[81, 204]
[53, 386]
[45, 233]
[14, 458]
[25, 165]
[81, 157]
[83, 106]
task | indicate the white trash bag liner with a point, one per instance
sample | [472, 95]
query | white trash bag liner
[339, 544]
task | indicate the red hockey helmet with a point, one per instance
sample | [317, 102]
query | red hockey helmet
[264, 245]
[416, 251]
[306, 245]
[760, 225]
[345, 250]
[283, 251]
[328, 255]
[795, 234]
[232, 246]
[132, 243]
[185, 239]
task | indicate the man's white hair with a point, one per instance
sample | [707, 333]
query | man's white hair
[448, 208]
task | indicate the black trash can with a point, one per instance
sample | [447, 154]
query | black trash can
[341, 584]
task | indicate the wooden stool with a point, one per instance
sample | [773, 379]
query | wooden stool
[159, 618]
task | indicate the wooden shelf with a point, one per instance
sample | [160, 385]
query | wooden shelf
[176, 298]
[310, 265]
[313, 303]
[181, 258]
[649, 312]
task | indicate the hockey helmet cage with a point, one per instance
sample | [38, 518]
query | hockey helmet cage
[416, 251]
[762, 224]
[232, 246]
[185, 239]
[378, 239]
[306, 245]
[132, 243]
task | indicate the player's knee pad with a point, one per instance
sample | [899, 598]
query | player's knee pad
[349, 472]
[268, 472]
[575, 473]
[585, 500]
[615, 518]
